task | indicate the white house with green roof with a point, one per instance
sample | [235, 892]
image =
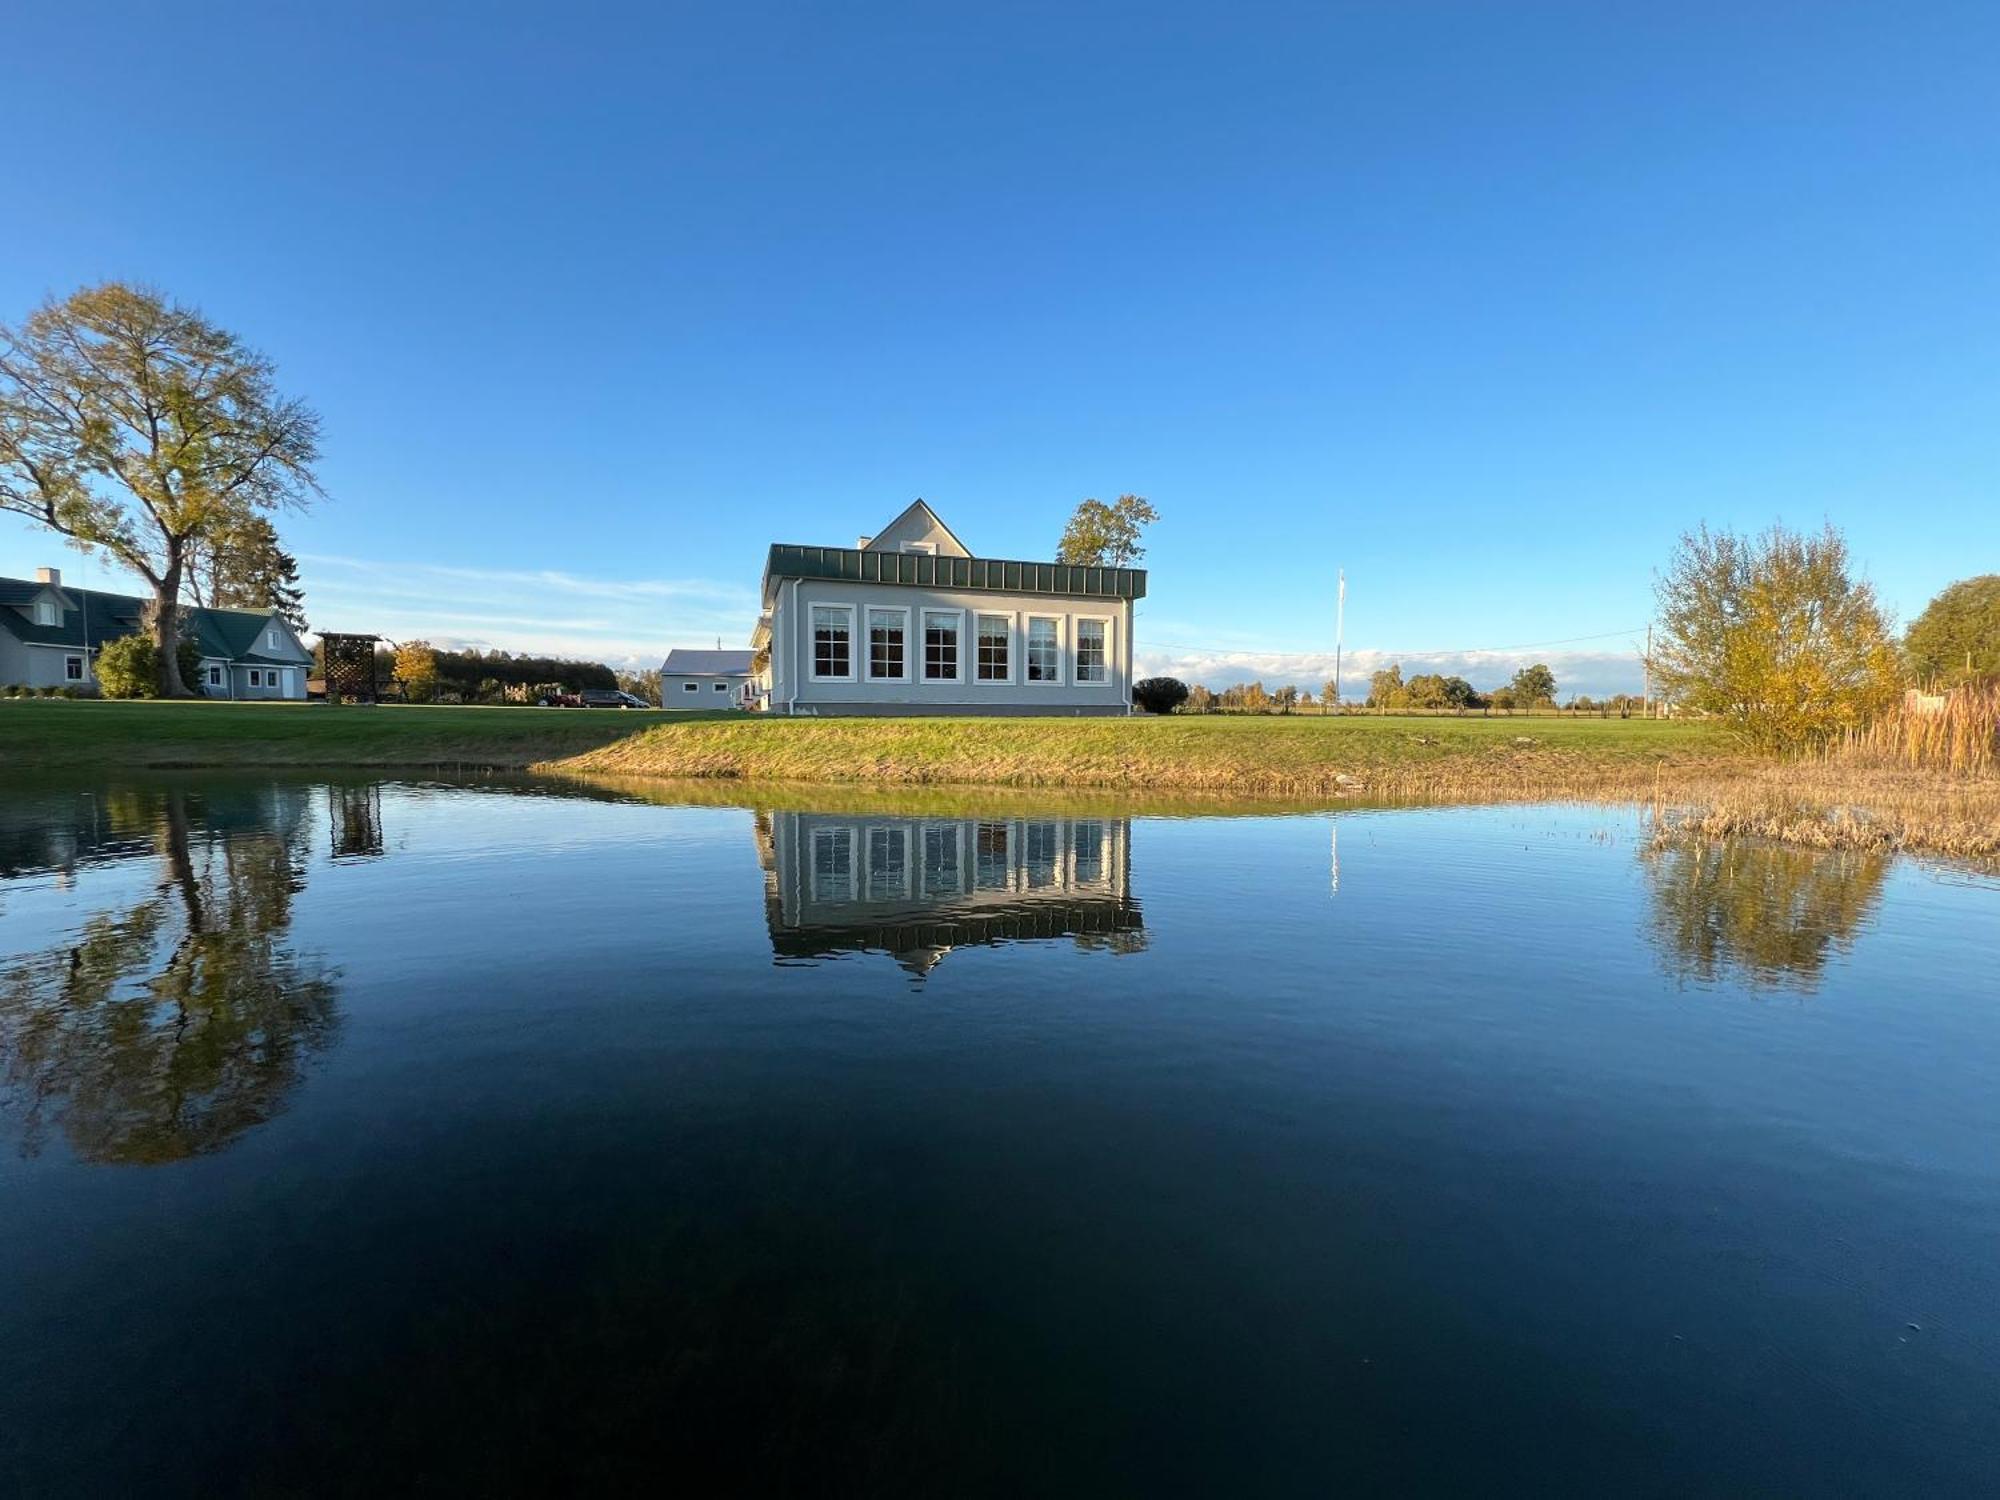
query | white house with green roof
[908, 621]
[51, 632]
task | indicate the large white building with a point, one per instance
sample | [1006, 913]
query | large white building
[908, 621]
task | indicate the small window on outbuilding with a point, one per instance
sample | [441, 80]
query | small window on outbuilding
[690, 687]
[722, 687]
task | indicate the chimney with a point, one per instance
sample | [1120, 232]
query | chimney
[861, 543]
[51, 576]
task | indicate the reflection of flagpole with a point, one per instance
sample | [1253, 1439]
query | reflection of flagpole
[1339, 632]
[1333, 841]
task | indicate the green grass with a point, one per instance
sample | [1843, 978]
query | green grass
[47, 735]
[1271, 755]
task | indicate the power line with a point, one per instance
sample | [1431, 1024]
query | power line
[1572, 640]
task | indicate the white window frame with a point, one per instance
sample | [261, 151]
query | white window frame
[927, 549]
[48, 612]
[1013, 619]
[214, 675]
[72, 669]
[272, 640]
[690, 687]
[1062, 650]
[892, 833]
[833, 834]
[923, 627]
[256, 677]
[854, 642]
[1109, 622]
[910, 646]
[722, 687]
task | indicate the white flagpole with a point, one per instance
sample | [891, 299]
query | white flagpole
[1339, 634]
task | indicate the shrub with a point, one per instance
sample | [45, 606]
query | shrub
[1159, 695]
[129, 667]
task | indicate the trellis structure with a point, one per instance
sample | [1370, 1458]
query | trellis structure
[349, 667]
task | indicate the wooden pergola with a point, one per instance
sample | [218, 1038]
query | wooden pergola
[348, 666]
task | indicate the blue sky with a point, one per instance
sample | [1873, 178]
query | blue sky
[1484, 303]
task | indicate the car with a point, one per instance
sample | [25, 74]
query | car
[559, 700]
[606, 698]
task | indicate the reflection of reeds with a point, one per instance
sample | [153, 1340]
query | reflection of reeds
[1959, 733]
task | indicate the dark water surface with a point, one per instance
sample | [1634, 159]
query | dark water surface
[366, 1138]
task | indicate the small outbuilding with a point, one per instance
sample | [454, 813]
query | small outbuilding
[695, 680]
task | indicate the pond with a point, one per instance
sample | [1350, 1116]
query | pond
[502, 1136]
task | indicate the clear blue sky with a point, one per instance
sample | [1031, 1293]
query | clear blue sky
[1483, 302]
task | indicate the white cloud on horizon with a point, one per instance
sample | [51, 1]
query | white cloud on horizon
[1597, 673]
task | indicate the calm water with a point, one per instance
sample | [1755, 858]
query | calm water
[376, 1137]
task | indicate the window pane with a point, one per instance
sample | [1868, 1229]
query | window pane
[833, 862]
[1044, 652]
[1090, 656]
[885, 643]
[888, 862]
[831, 647]
[940, 646]
[993, 633]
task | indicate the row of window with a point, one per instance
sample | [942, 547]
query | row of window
[995, 857]
[695, 687]
[259, 676]
[941, 649]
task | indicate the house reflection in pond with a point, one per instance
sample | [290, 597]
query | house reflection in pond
[915, 888]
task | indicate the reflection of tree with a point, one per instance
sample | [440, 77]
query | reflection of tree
[1771, 914]
[169, 1028]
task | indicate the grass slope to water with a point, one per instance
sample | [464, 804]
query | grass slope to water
[55, 735]
[1257, 756]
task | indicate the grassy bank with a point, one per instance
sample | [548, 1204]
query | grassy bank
[47, 735]
[1699, 784]
[1262, 756]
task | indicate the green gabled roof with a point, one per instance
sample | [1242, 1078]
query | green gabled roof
[102, 617]
[227, 634]
[922, 570]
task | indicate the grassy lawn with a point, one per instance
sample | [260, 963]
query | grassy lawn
[52, 734]
[1271, 754]
[1268, 755]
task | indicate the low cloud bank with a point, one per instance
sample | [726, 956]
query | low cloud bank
[1599, 674]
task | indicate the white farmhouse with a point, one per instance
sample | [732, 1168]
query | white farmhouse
[908, 621]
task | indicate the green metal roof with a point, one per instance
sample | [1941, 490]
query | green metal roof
[226, 634]
[922, 570]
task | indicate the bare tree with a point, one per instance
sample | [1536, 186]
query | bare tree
[135, 426]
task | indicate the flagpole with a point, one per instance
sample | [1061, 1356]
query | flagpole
[1339, 634]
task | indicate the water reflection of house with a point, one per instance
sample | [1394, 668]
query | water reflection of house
[915, 888]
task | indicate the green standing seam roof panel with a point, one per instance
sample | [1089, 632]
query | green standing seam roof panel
[924, 570]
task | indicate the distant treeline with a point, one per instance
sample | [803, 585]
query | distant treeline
[490, 676]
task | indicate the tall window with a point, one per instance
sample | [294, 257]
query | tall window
[215, 677]
[885, 643]
[1044, 651]
[47, 612]
[833, 862]
[833, 648]
[1092, 664]
[940, 645]
[993, 633]
[73, 668]
[888, 862]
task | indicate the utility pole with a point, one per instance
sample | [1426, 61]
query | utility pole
[1339, 634]
[1648, 710]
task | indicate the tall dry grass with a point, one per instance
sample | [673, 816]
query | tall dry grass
[1960, 735]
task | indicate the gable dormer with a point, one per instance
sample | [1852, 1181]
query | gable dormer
[917, 529]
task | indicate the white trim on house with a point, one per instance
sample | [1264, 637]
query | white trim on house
[1105, 673]
[1012, 619]
[940, 611]
[813, 673]
[1028, 620]
[909, 646]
